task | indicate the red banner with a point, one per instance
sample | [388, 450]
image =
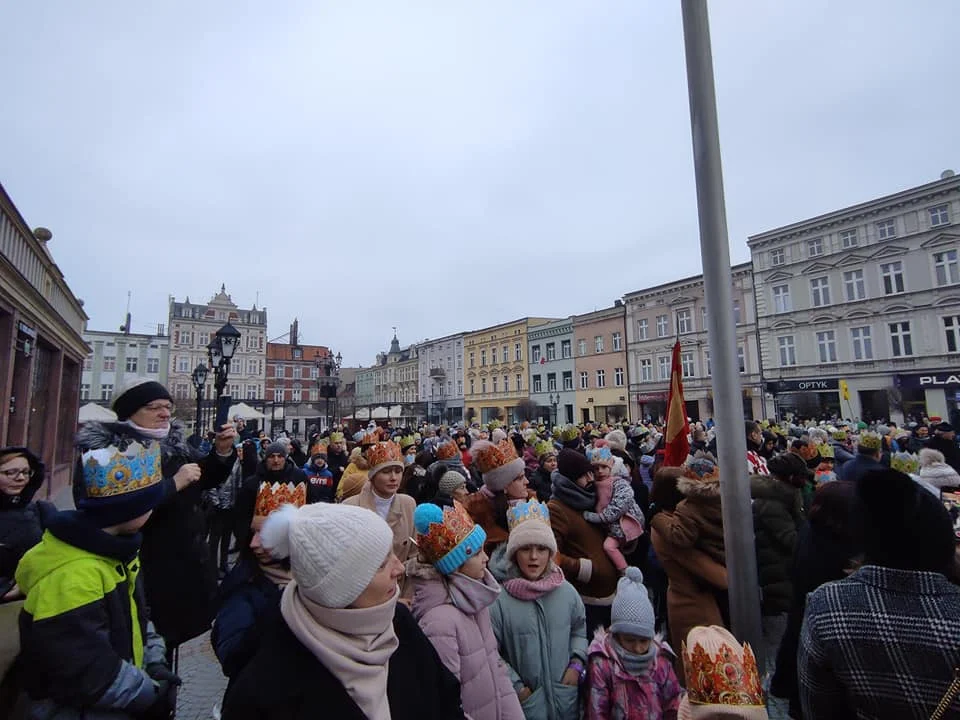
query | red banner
[677, 444]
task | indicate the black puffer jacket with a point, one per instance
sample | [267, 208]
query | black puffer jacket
[21, 520]
[777, 517]
[179, 578]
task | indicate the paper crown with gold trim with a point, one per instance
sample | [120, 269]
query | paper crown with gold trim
[569, 434]
[447, 537]
[336, 437]
[720, 672]
[447, 450]
[543, 449]
[498, 464]
[905, 462]
[273, 496]
[870, 440]
[839, 435]
[371, 438]
[319, 448]
[826, 452]
[406, 441]
[529, 524]
[599, 453]
[121, 484]
[382, 455]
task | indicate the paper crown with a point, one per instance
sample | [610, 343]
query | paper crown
[493, 425]
[273, 497]
[569, 433]
[447, 537]
[599, 454]
[319, 448]
[447, 450]
[336, 437]
[110, 472]
[871, 441]
[370, 438]
[526, 512]
[840, 435]
[406, 441]
[719, 671]
[826, 451]
[544, 448]
[905, 462]
[384, 453]
[701, 467]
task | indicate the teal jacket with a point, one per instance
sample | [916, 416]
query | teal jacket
[538, 639]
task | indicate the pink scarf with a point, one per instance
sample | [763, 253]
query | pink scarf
[527, 590]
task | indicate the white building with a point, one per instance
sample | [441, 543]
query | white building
[116, 356]
[869, 295]
[440, 384]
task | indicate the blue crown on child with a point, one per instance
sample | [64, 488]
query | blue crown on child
[109, 471]
[526, 511]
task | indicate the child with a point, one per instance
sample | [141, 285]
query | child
[616, 507]
[541, 479]
[630, 672]
[452, 603]
[319, 475]
[540, 621]
[86, 643]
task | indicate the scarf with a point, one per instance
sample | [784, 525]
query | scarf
[572, 495]
[275, 573]
[527, 590]
[634, 664]
[470, 596]
[152, 433]
[355, 645]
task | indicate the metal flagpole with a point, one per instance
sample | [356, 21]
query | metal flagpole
[738, 535]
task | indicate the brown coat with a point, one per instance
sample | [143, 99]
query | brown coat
[576, 539]
[400, 520]
[480, 507]
[697, 522]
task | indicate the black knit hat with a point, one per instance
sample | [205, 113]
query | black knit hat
[132, 396]
[572, 464]
[789, 466]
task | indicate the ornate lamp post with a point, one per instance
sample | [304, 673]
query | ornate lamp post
[220, 351]
[554, 399]
[328, 378]
[199, 378]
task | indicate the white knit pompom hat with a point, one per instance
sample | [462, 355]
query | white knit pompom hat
[334, 550]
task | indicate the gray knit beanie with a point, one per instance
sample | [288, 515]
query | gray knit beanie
[450, 481]
[632, 613]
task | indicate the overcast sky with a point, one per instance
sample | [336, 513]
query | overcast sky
[443, 166]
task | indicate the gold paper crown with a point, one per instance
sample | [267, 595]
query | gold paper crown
[528, 511]
[871, 441]
[407, 441]
[727, 677]
[108, 472]
[493, 425]
[840, 435]
[543, 448]
[371, 438]
[336, 437]
[569, 433]
[384, 452]
[447, 450]
[826, 451]
[439, 532]
[272, 497]
[905, 463]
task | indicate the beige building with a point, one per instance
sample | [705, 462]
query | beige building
[658, 316]
[600, 365]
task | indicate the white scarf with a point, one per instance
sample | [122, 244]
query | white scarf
[153, 433]
[355, 645]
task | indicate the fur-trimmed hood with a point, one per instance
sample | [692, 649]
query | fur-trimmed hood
[699, 490]
[96, 435]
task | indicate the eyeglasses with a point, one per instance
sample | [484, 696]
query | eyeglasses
[159, 407]
[14, 474]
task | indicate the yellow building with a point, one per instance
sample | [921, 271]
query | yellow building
[495, 370]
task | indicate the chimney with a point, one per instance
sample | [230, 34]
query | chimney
[294, 331]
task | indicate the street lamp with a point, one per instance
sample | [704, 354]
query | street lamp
[199, 378]
[328, 377]
[555, 401]
[220, 351]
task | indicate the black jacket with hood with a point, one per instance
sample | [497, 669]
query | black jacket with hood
[21, 520]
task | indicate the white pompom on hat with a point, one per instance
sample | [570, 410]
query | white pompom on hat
[334, 550]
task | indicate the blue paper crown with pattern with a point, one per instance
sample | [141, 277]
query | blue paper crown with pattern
[109, 471]
[600, 455]
[526, 511]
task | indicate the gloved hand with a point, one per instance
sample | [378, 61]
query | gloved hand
[165, 705]
[159, 671]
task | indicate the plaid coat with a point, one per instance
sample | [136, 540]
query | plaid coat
[879, 644]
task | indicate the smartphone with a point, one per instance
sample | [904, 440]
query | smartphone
[223, 411]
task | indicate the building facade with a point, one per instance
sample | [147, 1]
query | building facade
[867, 296]
[600, 373]
[298, 392]
[116, 356]
[551, 371]
[658, 316]
[41, 349]
[193, 325]
[495, 370]
[389, 389]
[440, 382]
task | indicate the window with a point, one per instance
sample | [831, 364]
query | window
[565, 349]
[278, 394]
[709, 365]
[568, 380]
[886, 229]
[900, 341]
[85, 391]
[781, 299]
[939, 216]
[180, 391]
[183, 364]
[584, 380]
[582, 347]
[827, 346]
[298, 372]
[642, 327]
[686, 364]
[853, 285]
[601, 379]
[493, 383]
[519, 382]
[892, 276]
[106, 391]
[815, 247]
[662, 326]
[945, 265]
[551, 381]
[459, 387]
[471, 360]
[88, 362]
[506, 383]
[279, 371]
[703, 318]
[617, 341]
[297, 392]
[537, 384]
[663, 365]
[618, 377]
[503, 353]
[820, 291]
[535, 353]
[551, 351]
[314, 370]
[646, 370]
[483, 385]
[684, 321]
[951, 326]
[459, 362]
[788, 351]
[109, 363]
[131, 364]
[741, 360]
[598, 344]
[203, 339]
[251, 392]
[848, 238]
[517, 353]
[776, 256]
[493, 356]
[736, 314]
[472, 391]
[153, 366]
[483, 358]
[186, 337]
[862, 343]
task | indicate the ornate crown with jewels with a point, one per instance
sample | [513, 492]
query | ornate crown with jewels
[272, 497]
[109, 471]
[722, 675]
[526, 512]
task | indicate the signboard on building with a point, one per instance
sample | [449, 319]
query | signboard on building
[804, 385]
[930, 381]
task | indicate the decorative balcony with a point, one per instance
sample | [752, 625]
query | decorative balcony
[438, 372]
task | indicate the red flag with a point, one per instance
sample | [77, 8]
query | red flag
[677, 444]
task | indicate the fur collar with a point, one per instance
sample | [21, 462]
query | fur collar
[96, 435]
[699, 489]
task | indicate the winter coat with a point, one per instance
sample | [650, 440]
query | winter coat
[697, 522]
[180, 577]
[841, 455]
[777, 517]
[541, 484]
[337, 462]
[285, 681]
[322, 480]
[937, 474]
[21, 520]
[595, 580]
[467, 646]
[84, 629]
[249, 604]
[538, 639]
[621, 516]
[854, 469]
[949, 449]
[615, 694]
[400, 520]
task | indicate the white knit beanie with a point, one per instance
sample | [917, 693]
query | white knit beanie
[632, 613]
[617, 439]
[334, 550]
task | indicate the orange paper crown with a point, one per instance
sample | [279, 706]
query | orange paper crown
[272, 497]
[371, 437]
[447, 450]
[725, 676]
[439, 533]
[487, 456]
[384, 452]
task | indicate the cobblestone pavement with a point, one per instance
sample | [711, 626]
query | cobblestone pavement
[203, 683]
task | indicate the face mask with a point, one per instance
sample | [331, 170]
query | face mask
[409, 459]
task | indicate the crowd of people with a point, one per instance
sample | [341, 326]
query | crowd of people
[485, 572]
